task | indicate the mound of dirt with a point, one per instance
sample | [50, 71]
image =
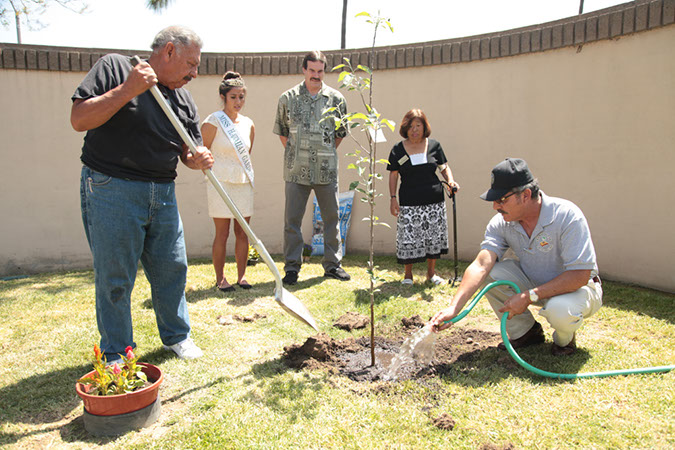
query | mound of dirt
[351, 320]
[444, 422]
[353, 358]
[413, 322]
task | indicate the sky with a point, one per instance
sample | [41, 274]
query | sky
[291, 25]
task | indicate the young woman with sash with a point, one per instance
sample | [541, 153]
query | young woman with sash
[229, 135]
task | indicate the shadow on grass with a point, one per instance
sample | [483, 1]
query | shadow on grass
[392, 290]
[44, 282]
[490, 365]
[293, 398]
[50, 397]
[642, 301]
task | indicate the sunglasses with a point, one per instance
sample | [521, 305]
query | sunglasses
[503, 199]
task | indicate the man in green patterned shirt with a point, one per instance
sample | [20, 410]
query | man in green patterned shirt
[311, 163]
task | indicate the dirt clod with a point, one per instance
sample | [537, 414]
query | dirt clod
[413, 322]
[444, 422]
[491, 446]
[231, 318]
[351, 320]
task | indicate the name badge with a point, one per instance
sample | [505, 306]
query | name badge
[403, 160]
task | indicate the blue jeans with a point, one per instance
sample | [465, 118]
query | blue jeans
[126, 221]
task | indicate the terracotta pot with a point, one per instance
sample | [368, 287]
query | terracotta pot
[112, 405]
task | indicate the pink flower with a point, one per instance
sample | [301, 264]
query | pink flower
[130, 353]
[116, 369]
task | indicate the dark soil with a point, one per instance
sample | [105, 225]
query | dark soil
[351, 320]
[231, 318]
[488, 446]
[444, 422]
[352, 357]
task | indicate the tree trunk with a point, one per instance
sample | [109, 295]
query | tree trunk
[17, 17]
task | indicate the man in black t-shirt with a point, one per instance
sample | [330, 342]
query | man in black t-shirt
[129, 210]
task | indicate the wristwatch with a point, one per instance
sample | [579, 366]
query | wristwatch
[533, 295]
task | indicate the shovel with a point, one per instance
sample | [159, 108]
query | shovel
[286, 300]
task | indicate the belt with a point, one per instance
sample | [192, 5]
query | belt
[596, 279]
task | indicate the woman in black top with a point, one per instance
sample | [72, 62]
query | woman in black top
[422, 227]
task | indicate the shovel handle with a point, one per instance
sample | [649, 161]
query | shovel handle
[169, 113]
[209, 174]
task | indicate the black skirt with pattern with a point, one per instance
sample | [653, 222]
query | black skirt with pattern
[421, 233]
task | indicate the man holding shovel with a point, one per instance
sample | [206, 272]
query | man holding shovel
[556, 267]
[127, 190]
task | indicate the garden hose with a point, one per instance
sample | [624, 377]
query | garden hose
[531, 368]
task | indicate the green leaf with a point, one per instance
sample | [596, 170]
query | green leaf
[362, 13]
[389, 123]
[364, 68]
[356, 116]
[383, 161]
[338, 67]
[353, 185]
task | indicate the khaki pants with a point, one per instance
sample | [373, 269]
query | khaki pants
[296, 203]
[565, 313]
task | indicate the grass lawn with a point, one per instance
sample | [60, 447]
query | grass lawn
[241, 395]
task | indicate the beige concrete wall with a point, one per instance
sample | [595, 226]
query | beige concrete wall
[595, 125]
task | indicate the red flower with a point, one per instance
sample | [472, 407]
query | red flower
[97, 351]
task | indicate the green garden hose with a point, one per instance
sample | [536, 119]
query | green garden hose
[531, 368]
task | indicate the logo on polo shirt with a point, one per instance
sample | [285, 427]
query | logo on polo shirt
[543, 243]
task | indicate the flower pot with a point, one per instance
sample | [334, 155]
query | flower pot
[111, 405]
[117, 414]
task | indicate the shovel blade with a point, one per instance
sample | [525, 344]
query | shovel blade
[294, 307]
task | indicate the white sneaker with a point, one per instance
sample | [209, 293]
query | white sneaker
[186, 349]
[436, 280]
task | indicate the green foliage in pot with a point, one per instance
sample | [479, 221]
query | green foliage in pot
[114, 379]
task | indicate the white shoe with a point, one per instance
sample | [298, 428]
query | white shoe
[407, 281]
[186, 349]
[436, 280]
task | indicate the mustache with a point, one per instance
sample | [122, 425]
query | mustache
[501, 211]
[188, 78]
[315, 79]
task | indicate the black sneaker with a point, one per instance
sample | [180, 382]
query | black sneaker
[338, 273]
[534, 336]
[290, 278]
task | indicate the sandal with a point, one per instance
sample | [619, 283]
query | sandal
[226, 289]
[244, 285]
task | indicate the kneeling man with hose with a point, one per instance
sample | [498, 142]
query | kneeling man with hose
[556, 267]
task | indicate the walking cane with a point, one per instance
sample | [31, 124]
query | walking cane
[456, 278]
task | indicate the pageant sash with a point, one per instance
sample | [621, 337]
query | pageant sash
[237, 142]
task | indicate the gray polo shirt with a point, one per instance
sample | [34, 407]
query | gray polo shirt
[561, 241]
